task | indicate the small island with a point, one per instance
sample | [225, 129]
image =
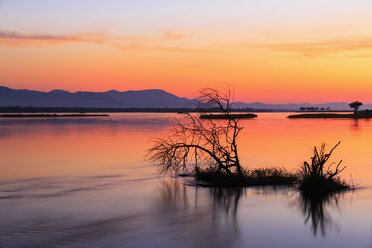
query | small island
[49, 115]
[230, 116]
[360, 115]
[365, 114]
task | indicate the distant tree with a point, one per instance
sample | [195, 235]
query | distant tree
[193, 142]
[322, 109]
[328, 109]
[355, 105]
[302, 109]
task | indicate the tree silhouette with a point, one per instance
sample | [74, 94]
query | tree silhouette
[193, 143]
[355, 105]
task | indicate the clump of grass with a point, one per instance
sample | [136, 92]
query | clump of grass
[318, 179]
[256, 177]
[322, 185]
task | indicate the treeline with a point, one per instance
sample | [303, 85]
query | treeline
[19, 109]
[315, 109]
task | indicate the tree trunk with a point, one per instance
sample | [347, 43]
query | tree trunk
[239, 170]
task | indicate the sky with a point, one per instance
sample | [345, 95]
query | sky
[273, 51]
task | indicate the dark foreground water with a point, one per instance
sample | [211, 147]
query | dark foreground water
[84, 183]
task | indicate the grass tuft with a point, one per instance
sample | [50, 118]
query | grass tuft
[322, 185]
[256, 177]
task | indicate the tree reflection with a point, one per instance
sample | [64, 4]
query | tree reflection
[227, 199]
[174, 194]
[355, 126]
[218, 207]
[202, 215]
[314, 209]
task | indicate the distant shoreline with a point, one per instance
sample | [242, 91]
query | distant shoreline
[360, 115]
[49, 115]
[81, 110]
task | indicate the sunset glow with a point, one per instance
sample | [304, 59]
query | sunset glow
[270, 51]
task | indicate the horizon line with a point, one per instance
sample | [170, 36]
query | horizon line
[251, 102]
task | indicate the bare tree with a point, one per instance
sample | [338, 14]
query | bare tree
[192, 143]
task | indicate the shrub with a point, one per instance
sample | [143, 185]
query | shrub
[317, 178]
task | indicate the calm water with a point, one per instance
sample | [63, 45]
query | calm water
[84, 183]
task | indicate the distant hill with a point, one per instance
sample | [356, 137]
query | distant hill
[153, 98]
[110, 99]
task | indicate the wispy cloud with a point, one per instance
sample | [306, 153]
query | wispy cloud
[327, 47]
[125, 43]
[18, 37]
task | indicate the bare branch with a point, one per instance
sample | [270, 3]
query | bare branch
[318, 161]
[192, 142]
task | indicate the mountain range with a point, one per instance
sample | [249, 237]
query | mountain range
[109, 99]
[152, 98]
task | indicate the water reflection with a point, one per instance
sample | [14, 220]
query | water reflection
[113, 211]
[51, 187]
[314, 209]
[83, 183]
[355, 125]
[227, 199]
[61, 126]
[224, 202]
[209, 215]
[174, 194]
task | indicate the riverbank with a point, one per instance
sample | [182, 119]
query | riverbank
[361, 115]
[49, 115]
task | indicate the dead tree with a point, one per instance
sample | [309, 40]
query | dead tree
[192, 143]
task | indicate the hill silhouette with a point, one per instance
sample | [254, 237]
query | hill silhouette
[151, 98]
[111, 99]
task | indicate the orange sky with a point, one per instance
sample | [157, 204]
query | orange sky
[293, 51]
